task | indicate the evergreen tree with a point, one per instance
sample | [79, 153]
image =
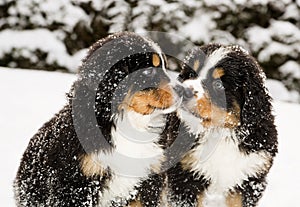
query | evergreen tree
[54, 35]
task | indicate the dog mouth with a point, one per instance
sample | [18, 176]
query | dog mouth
[194, 112]
[211, 115]
[198, 107]
[177, 102]
[192, 108]
[162, 99]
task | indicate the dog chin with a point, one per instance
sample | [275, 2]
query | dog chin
[153, 123]
[190, 108]
[176, 105]
[191, 119]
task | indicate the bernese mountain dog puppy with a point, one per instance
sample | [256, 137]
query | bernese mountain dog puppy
[229, 112]
[108, 140]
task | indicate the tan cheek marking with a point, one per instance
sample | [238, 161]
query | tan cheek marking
[234, 200]
[233, 119]
[215, 116]
[136, 203]
[155, 60]
[90, 166]
[145, 102]
[204, 108]
[139, 103]
[218, 73]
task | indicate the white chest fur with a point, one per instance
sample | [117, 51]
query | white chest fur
[219, 159]
[119, 188]
[135, 156]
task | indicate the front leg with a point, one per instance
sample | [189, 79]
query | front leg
[252, 190]
[185, 187]
[151, 191]
[247, 195]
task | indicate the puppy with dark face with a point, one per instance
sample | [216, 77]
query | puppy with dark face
[228, 111]
[101, 147]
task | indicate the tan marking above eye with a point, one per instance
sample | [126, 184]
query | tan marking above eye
[155, 60]
[218, 73]
[196, 65]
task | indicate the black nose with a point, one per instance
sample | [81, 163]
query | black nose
[185, 93]
[188, 94]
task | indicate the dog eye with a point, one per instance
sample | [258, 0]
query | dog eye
[149, 72]
[218, 85]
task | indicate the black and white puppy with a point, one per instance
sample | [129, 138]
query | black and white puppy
[230, 115]
[101, 147]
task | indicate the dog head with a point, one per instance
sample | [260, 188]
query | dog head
[122, 73]
[227, 88]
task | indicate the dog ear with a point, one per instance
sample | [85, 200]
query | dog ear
[108, 62]
[257, 128]
[186, 72]
[192, 64]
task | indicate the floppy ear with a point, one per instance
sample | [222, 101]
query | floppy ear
[257, 129]
[192, 64]
[106, 65]
[186, 73]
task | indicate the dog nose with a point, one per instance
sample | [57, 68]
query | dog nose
[185, 93]
[188, 94]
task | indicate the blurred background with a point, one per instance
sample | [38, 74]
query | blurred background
[54, 35]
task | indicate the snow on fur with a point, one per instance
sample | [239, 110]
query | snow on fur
[32, 97]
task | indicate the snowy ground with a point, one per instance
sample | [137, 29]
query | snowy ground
[30, 98]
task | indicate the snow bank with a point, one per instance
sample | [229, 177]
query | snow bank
[30, 98]
[290, 68]
[279, 38]
[46, 12]
[26, 42]
[280, 93]
[284, 179]
[199, 28]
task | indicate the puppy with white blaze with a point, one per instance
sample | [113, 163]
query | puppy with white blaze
[108, 141]
[229, 112]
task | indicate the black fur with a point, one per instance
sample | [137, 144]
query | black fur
[243, 84]
[150, 190]
[50, 174]
[185, 186]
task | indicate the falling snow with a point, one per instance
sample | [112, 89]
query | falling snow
[38, 104]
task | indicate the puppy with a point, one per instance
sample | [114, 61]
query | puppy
[101, 147]
[228, 111]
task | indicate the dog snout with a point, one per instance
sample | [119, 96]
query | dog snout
[184, 92]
